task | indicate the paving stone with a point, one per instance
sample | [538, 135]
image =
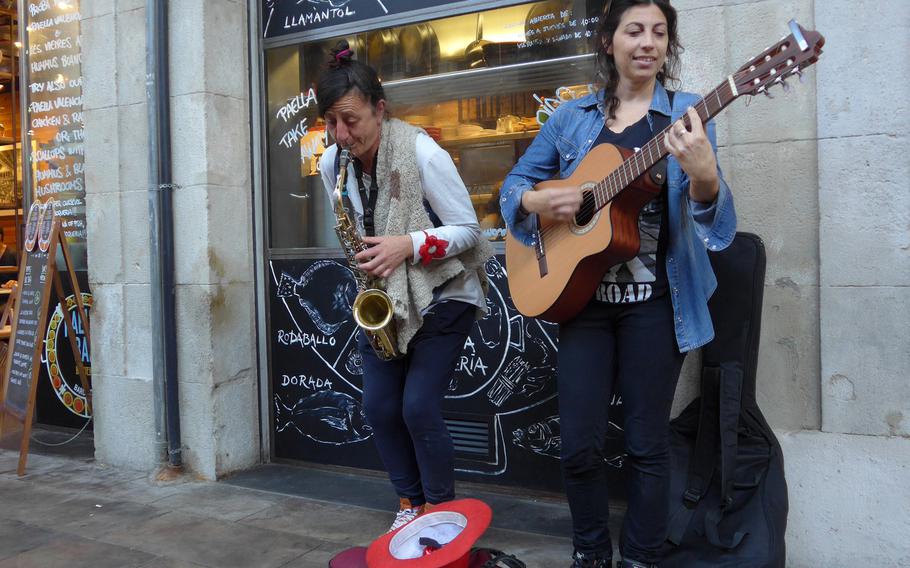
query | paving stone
[218, 501]
[93, 520]
[26, 502]
[75, 552]
[86, 477]
[317, 558]
[212, 542]
[535, 550]
[35, 464]
[144, 491]
[351, 526]
[17, 537]
[162, 562]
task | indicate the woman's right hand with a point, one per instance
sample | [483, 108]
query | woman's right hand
[559, 203]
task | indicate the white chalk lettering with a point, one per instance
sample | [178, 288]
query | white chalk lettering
[35, 8]
[471, 365]
[295, 105]
[317, 16]
[292, 136]
[291, 337]
[312, 383]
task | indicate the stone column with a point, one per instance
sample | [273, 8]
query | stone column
[212, 232]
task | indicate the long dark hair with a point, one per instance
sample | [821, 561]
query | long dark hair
[343, 73]
[607, 73]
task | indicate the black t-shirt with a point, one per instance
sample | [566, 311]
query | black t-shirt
[644, 277]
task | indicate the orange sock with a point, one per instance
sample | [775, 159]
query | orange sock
[405, 503]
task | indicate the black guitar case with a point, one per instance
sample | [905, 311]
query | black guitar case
[728, 500]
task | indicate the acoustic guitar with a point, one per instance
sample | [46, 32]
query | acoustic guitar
[557, 277]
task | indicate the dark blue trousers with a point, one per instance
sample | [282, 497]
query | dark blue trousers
[402, 400]
[630, 350]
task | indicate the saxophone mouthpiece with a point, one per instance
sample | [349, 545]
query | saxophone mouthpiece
[343, 159]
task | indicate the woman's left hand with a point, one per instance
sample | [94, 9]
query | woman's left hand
[693, 151]
[385, 254]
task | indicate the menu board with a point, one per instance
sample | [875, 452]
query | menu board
[34, 287]
[54, 114]
[283, 17]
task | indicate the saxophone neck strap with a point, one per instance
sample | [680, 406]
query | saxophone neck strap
[367, 197]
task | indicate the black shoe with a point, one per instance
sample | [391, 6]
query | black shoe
[626, 563]
[589, 560]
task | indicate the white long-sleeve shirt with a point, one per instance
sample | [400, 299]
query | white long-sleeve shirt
[448, 198]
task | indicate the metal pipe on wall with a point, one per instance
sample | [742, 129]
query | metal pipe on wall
[161, 236]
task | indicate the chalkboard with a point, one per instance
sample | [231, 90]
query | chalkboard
[500, 407]
[283, 17]
[54, 114]
[31, 307]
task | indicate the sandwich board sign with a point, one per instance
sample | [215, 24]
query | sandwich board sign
[27, 312]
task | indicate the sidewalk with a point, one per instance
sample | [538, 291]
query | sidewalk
[74, 512]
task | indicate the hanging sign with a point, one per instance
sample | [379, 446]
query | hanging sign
[283, 17]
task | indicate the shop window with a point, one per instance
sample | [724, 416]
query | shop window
[480, 84]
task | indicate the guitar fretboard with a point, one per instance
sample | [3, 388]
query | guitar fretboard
[655, 150]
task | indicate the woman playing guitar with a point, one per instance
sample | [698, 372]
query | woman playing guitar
[633, 334]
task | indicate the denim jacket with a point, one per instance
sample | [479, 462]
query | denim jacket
[567, 136]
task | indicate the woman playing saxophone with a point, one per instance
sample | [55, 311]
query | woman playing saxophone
[423, 248]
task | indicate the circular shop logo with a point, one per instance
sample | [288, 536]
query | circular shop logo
[46, 224]
[31, 226]
[59, 359]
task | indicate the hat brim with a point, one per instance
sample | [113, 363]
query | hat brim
[478, 515]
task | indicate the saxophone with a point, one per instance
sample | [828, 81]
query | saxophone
[372, 308]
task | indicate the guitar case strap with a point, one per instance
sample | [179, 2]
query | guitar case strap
[703, 458]
[730, 406]
[718, 424]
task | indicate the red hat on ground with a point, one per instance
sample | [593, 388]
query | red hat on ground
[456, 525]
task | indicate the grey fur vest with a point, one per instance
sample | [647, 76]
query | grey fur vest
[399, 211]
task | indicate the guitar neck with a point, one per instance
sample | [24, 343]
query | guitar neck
[655, 150]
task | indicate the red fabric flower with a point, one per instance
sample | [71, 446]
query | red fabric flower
[432, 247]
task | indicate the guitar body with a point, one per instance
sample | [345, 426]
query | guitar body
[556, 285]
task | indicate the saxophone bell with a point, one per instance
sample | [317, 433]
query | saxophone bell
[373, 312]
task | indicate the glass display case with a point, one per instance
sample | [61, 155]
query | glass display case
[480, 84]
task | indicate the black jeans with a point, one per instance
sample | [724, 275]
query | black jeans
[402, 400]
[631, 350]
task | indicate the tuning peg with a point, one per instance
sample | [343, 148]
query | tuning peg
[783, 83]
[765, 92]
[799, 73]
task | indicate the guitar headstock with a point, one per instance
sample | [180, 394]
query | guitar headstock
[787, 57]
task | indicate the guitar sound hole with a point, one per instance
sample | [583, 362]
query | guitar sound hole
[586, 211]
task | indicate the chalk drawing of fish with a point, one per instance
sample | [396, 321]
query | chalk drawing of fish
[327, 417]
[544, 438]
[328, 314]
[540, 437]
